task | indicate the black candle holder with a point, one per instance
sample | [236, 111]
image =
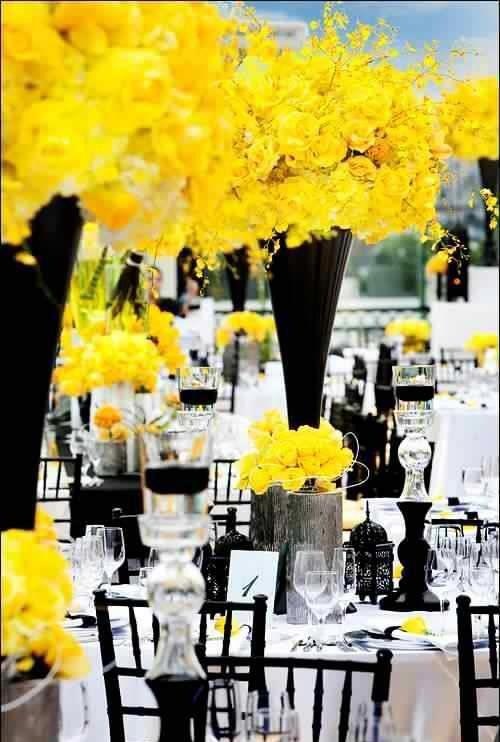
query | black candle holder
[413, 593]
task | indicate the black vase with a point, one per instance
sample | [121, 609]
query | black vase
[488, 170]
[32, 301]
[237, 272]
[305, 285]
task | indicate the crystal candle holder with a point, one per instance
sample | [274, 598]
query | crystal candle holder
[175, 466]
[414, 392]
[198, 386]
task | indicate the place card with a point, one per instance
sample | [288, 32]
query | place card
[252, 573]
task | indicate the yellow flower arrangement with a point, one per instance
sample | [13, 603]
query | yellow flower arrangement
[118, 103]
[36, 594]
[437, 263]
[415, 332]
[469, 115]
[480, 342]
[108, 420]
[315, 457]
[110, 359]
[331, 135]
[161, 328]
[253, 325]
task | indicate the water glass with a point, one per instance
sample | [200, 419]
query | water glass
[321, 594]
[114, 552]
[270, 725]
[306, 560]
[87, 566]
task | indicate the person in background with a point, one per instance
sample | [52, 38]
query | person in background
[176, 308]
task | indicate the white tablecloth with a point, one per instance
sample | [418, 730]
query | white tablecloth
[424, 689]
[462, 436]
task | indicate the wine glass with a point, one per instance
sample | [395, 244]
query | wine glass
[321, 594]
[306, 560]
[344, 563]
[264, 700]
[224, 710]
[114, 552]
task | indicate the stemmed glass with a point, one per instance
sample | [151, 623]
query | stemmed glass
[306, 560]
[321, 594]
[87, 567]
[474, 484]
[443, 575]
[114, 552]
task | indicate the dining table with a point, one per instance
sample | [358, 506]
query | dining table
[424, 699]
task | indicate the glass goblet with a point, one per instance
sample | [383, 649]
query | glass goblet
[321, 594]
[306, 560]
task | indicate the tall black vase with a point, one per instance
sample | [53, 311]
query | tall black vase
[305, 285]
[488, 169]
[31, 305]
[237, 272]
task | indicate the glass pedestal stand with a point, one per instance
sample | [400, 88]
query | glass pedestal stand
[176, 591]
[414, 398]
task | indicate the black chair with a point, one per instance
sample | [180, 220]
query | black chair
[469, 684]
[136, 553]
[456, 526]
[380, 670]
[59, 487]
[225, 494]
[113, 672]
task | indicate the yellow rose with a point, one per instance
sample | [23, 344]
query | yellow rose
[259, 480]
[362, 168]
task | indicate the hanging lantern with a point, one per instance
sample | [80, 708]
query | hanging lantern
[374, 559]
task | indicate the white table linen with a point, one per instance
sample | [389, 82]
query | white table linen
[424, 685]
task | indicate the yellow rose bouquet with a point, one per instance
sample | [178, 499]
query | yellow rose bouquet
[415, 332]
[480, 342]
[36, 594]
[308, 459]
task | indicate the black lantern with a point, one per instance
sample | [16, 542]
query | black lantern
[374, 559]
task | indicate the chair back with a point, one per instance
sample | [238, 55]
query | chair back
[469, 683]
[257, 666]
[59, 478]
[136, 553]
[113, 671]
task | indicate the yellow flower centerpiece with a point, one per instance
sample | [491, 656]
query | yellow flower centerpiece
[36, 594]
[306, 458]
[108, 421]
[416, 333]
[254, 326]
[480, 342]
[469, 115]
[117, 103]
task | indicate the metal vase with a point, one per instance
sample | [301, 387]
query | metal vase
[315, 520]
[112, 458]
[268, 519]
[37, 720]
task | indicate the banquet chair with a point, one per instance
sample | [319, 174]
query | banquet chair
[257, 666]
[112, 671]
[136, 553]
[59, 478]
[455, 527]
[225, 494]
[469, 684]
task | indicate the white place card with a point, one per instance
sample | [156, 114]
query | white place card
[252, 573]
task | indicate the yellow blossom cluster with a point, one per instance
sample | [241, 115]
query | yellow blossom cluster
[480, 342]
[469, 115]
[437, 263]
[104, 360]
[255, 326]
[118, 103]
[161, 329]
[293, 458]
[490, 202]
[415, 332]
[331, 135]
[36, 594]
[45, 530]
[108, 420]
